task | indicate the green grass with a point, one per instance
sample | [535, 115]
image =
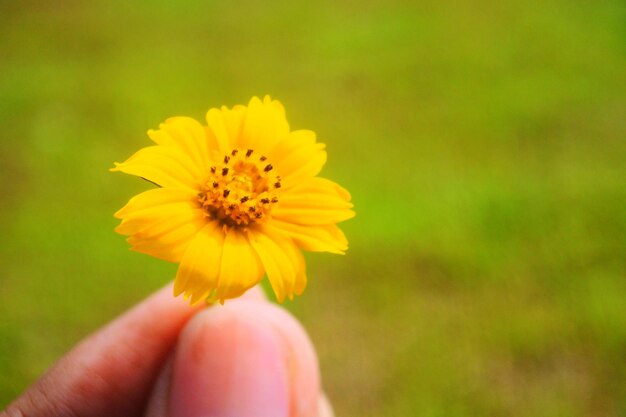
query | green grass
[484, 145]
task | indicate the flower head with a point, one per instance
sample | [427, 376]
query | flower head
[237, 198]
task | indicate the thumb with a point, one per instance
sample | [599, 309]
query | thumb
[248, 358]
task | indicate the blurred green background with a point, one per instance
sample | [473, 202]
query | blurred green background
[484, 143]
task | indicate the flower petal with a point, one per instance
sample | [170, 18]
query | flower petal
[282, 260]
[169, 238]
[154, 198]
[264, 126]
[240, 267]
[164, 166]
[199, 270]
[300, 279]
[317, 201]
[298, 157]
[315, 238]
[224, 128]
[161, 222]
[185, 134]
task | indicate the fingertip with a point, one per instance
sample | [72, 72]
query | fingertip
[246, 358]
[325, 409]
[255, 293]
[159, 397]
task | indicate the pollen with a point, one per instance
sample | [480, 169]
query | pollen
[240, 191]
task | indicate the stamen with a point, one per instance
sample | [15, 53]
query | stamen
[239, 190]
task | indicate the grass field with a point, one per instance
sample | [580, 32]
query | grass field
[484, 144]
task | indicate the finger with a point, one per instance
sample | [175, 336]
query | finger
[157, 402]
[254, 294]
[325, 410]
[111, 372]
[247, 358]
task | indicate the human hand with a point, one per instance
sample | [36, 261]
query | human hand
[166, 359]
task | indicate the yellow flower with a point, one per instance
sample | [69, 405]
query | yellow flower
[237, 198]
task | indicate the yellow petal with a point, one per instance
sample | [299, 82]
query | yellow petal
[264, 126]
[224, 127]
[153, 199]
[315, 238]
[298, 157]
[173, 254]
[161, 222]
[283, 262]
[169, 238]
[164, 166]
[186, 135]
[233, 120]
[313, 216]
[240, 267]
[300, 278]
[318, 192]
[316, 201]
[198, 273]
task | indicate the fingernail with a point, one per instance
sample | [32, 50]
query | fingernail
[229, 363]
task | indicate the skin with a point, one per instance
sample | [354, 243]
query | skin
[163, 358]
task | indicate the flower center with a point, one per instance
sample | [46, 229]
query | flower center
[241, 190]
